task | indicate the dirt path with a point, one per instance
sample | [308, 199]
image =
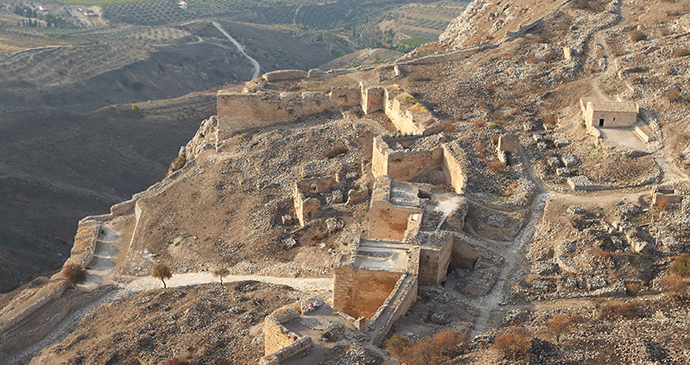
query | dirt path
[257, 68]
[188, 279]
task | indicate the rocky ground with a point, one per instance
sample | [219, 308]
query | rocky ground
[206, 324]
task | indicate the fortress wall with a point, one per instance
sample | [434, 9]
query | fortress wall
[284, 75]
[455, 162]
[434, 262]
[348, 296]
[242, 111]
[389, 222]
[53, 292]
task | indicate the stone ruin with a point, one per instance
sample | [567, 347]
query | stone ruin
[411, 224]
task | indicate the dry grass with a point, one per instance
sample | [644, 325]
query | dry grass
[550, 119]
[418, 108]
[612, 310]
[495, 166]
[479, 123]
[681, 265]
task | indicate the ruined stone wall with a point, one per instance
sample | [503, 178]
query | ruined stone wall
[360, 293]
[401, 114]
[402, 165]
[276, 336]
[280, 343]
[464, 256]
[455, 162]
[243, 111]
[388, 221]
[372, 99]
[395, 306]
[434, 261]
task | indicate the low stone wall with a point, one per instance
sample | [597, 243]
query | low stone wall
[56, 292]
[280, 343]
[285, 75]
[448, 56]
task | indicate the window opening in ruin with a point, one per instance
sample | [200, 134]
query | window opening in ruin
[601, 122]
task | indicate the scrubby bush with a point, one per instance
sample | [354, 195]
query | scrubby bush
[637, 35]
[681, 265]
[513, 345]
[74, 273]
[177, 164]
[558, 325]
[631, 289]
[495, 166]
[681, 52]
[426, 351]
[221, 273]
[674, 285]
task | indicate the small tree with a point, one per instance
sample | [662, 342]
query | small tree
[221, 273]
[558, 325]
[74, 273]
[162, 271]
[135, 108]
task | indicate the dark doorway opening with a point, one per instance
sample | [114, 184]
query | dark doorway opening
[601, 122]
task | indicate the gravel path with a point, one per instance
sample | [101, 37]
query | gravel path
[302, 284]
